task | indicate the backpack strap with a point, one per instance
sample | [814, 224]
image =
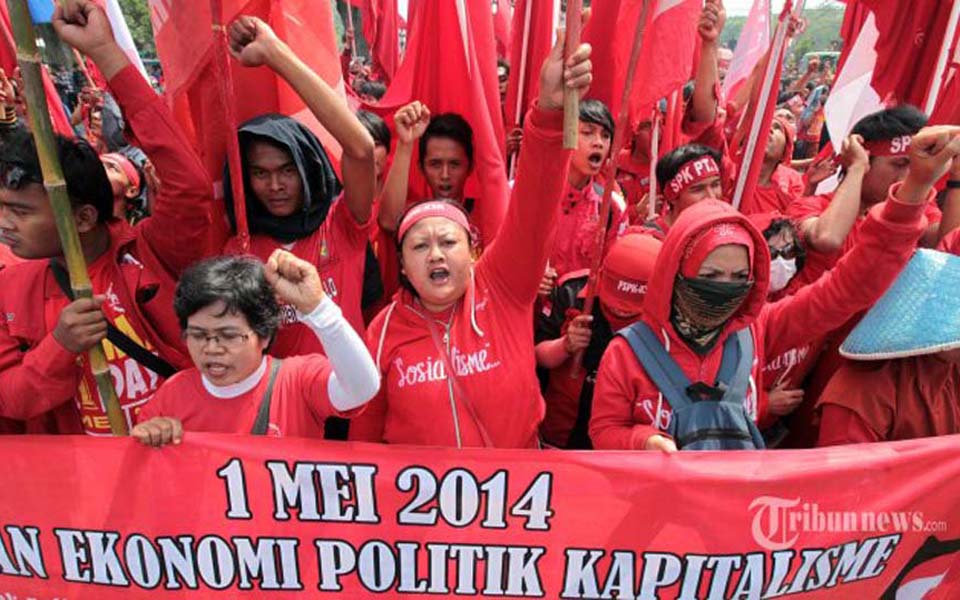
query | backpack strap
[656, 361]
[737, 384]
[116, 337]
[263, 415]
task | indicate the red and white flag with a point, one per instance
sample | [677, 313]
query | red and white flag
[753, 43]
[122, 34]
[450, 65]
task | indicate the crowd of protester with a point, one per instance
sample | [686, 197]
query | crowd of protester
[359, 313]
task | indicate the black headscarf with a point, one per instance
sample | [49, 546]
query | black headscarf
[320, 183]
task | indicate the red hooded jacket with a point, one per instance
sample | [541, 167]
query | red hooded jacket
[628, 408]
[489, 332]
[138, 273]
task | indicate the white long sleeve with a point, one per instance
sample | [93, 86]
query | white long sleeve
[355, 378]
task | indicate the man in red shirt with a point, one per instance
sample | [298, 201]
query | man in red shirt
[874, 157]
[575, 236]
[294, 200]
[43, 335]
[686, 176]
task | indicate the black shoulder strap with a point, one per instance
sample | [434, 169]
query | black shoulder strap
[263, 415]
[117, 337]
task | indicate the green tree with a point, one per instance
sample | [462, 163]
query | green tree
[137, 14]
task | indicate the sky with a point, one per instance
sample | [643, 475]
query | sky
[742, 7]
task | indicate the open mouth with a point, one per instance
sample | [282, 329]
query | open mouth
[215, 370]
[439, 275]
[595, 159]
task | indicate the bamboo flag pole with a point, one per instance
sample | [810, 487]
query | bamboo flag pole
[56, 186]
[610, 170]
[571, 101]
[83, 68]
[654, 159]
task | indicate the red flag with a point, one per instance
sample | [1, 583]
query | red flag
[753, 43]
[533, 24]
[187, 52]
[381, 23]
[911, 37]
[8, 61]
[752, 159]
[502, 18]
[670, 41]
[450, 65]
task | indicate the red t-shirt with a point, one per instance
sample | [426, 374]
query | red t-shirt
[298, 406]
[338, 249]
[575, 236]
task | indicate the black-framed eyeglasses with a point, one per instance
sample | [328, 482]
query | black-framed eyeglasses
[225, 338]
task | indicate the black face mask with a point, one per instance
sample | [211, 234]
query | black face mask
[701, 307]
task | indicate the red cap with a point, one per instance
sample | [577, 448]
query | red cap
[626, 270]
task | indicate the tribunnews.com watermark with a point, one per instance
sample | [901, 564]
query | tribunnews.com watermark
[778, 522]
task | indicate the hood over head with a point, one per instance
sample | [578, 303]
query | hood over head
[688, 231]
[320, 184]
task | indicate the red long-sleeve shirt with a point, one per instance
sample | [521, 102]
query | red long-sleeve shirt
[488, 332]
[138, 274]
[626, 399]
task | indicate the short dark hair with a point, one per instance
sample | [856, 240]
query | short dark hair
[890, 123]
[670, 164]
[451, 126]
[780, 224]
[86, 178]
[237, 281]
[374, 89]
[376, 126]
[596, 112]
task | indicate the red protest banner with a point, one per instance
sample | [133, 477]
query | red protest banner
[93, 518]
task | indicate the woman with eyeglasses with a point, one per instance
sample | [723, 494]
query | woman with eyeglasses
[229, 313]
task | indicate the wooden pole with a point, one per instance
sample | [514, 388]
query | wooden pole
[39, 116]
[225, 83]
[353, 32]
[773, 63]
[571, 101]
[610, 170]
[654, 159]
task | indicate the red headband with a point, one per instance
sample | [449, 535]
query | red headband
[690, 173]
[898, 146]
[428, 209]
[709, 239]
[124, 164]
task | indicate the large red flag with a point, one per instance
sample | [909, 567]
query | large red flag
[188, 53]
[670, 45]
[450, 65]
[532, 38]
[753, 43]
[502, 20]
[8, 61]
[911, 37]
[381, 23]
